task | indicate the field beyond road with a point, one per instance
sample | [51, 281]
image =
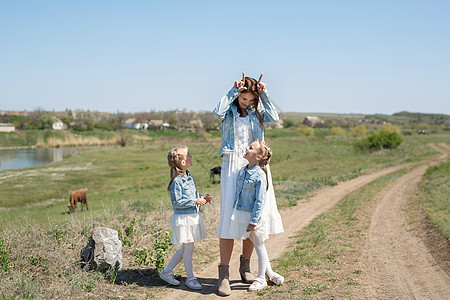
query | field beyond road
[329, 197]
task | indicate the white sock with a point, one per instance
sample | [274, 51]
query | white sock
[176, 259]
[263, 257]
[187, 259]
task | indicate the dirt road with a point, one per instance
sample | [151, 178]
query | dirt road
[397, 263]
[411, 275]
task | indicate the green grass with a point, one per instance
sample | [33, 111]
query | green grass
[434, 197]
[140, 173]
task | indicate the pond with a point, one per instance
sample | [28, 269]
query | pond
[28, 158]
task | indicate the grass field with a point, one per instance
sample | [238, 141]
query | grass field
[127, 189]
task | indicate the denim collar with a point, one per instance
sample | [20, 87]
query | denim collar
[253, 170]
[185, 177]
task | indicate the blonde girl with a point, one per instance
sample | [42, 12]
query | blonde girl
[247, 219]
[187, 221]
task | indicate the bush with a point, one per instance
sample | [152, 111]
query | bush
[288, 123]
[379, 140]
[305, 131]
[338, 130]
[359, 130]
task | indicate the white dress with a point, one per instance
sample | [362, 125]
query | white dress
[231, 165]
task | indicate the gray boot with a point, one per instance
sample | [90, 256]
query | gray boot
[224, 281]
[244, 270]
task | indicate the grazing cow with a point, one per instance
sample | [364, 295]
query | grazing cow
[213, 171]
[75, 197]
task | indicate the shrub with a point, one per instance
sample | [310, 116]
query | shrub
[379, 140]
[305, 131]
[359, 130]
[338, 131]
[288, 123]
[390, 128]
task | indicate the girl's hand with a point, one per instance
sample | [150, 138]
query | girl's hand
[261, 86]
[208, 198]
[240, 84]
[200, 201]
[251, 227]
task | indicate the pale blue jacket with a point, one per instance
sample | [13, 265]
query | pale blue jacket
[251, 192]
[183, 194]
[227, 112]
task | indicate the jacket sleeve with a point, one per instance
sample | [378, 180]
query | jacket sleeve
[178, 197]
[225, 103]
[259, 202]
[270, 112]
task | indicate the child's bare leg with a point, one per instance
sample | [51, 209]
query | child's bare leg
[226, 248]
[247, 248]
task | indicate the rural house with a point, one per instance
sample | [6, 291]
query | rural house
[132, 124]
[312, 121]
[7, 127]
[59, 125]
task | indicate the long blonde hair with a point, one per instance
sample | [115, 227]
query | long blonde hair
[266, 154]
[174, 158]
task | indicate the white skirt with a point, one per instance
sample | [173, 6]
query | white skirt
[231, 165]
[238, 226]
[187, 228]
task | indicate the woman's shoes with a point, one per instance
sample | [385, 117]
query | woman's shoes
[258, 284]
[193, 284]
[276, 279]
[169, 278]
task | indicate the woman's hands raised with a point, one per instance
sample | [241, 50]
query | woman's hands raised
[261, 86]
[240, 84]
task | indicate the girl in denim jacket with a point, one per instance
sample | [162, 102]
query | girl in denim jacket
[187, 221]
[243, 112]
[247, 220]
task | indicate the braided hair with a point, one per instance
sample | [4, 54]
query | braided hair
[174, 158]
[265, 154]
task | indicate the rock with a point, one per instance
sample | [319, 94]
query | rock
[103, 251]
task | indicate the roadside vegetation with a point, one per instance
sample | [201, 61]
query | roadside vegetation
[434, 197]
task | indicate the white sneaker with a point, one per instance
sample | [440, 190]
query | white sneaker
[276, 279]
[193, 284]
[169, 278]
[258, 284]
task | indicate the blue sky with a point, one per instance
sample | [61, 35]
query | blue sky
[317, 56]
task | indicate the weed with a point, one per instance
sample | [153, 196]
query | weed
[162, 245]
[58, 233]
[4, 255]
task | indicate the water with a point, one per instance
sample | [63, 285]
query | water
[28, 158]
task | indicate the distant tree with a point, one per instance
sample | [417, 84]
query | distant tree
[46, 121]
[287, 123]
[328, 123]
[210, 122]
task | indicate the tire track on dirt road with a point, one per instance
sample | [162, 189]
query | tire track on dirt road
[397, 263]
[294, 219]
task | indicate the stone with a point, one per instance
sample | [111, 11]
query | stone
[103, 252]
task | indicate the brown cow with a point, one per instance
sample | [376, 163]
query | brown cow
[75, 197]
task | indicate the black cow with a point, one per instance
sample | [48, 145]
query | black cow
[213, 171]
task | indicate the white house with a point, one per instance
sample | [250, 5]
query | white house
[59, 125]
[132, 124]
[7, 127]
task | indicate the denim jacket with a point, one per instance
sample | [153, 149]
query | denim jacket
[227, 111]
[251, 192]
[183, 194]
